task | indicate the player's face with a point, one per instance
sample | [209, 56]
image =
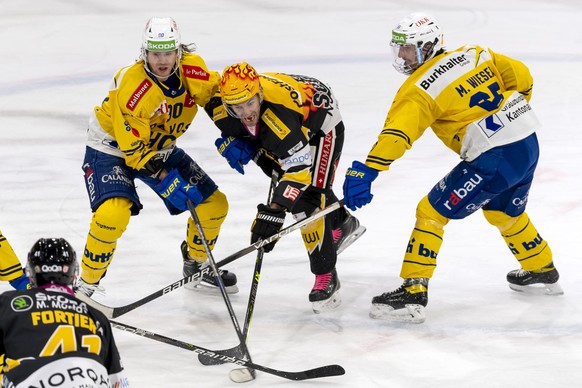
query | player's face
[249, 111]
[161, 63]
[409, 54]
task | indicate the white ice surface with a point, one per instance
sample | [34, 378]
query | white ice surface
[58, 58]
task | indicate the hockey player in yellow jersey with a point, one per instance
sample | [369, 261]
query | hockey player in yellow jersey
[10, 268]
[133, 134]
[476, 102]
[291, 125]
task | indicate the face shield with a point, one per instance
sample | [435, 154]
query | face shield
[406, 57]
[245, 109]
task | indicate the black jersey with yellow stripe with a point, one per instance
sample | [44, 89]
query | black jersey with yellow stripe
[295, 111]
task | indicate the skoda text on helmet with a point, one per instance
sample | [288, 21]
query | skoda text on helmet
[238, 84]
[416, 39]
[161, 35]
[52, 261]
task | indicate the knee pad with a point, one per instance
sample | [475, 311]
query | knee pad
[503, 221]
[110, 220]
[427, 216]
[211, 213]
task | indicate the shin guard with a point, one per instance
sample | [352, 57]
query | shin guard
[107, 225]
[424, 243]
[522, 239]
[212, 213]
[10, 267]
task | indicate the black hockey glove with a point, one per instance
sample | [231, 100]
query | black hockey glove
[268, 222]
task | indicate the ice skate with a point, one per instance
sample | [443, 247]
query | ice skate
[405, 304]
[325, 293]
[543, 281]
[208, 280]
[83, 289]
[349, 231]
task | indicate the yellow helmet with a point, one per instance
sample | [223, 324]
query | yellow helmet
[239, 83]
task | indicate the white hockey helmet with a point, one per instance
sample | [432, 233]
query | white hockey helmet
[161, 34]
[416, 39]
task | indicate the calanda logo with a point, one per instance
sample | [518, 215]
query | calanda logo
[21, 303]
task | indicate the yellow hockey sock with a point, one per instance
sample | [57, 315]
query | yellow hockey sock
[522, 239]
[107, 225]
[424, 243]
[10, 267]
[211, 213]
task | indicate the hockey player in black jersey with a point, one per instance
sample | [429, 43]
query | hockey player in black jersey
[47, 336]
[289, 124]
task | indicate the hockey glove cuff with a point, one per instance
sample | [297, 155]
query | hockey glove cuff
[176, 190]
[267, 222]
[20, 283]
[358, 185]
[237, 152]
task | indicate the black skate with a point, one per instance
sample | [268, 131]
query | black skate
[405, 304]
[543, 281]
[192, 266]
[348, 232]
[325, 293]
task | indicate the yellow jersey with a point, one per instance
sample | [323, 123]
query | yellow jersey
[472, 98]
[142, 117]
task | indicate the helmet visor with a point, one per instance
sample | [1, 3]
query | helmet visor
[245, 109]
[407, 57]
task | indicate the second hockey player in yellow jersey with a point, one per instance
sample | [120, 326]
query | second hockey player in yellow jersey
[133, 134]
[476, 102]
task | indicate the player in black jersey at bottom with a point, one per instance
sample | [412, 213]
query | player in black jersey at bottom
[48, 337]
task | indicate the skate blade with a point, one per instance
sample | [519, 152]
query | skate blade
[205, 288]
[411, 313]
[538, 289]
[351, 239]
[329, 304]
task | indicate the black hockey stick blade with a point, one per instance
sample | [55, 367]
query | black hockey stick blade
[232, 352]
[114, 312]
[322, 371]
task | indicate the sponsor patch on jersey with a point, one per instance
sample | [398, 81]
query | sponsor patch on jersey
[291, 193]
[323, 163]
[21, 303]
[277, 126]
[219, 113]
[138, 94]
[195, 72]
[189, 102]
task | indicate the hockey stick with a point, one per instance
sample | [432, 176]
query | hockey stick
[237, 351]
[114, 312]
[322, 371]
[236, 375]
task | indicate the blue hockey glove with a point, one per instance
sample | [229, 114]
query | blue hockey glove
[237, 152]
[21, 283]
[178, 191]
[268, 222]
[358, 185]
